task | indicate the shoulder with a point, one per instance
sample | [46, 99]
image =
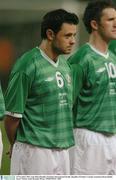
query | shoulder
[26, 63]
[80, 55]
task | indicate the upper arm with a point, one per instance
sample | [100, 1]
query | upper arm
[11, 125]
[11, 122]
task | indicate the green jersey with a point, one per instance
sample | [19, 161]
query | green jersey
[112, 46]
[94, 89]
[40, 92]
[2, 106]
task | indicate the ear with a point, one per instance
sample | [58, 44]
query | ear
[94, 25]
[50, 34]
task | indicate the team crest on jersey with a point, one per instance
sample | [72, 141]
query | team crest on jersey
[68, 78]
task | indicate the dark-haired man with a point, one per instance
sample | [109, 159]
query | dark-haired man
[39, 101]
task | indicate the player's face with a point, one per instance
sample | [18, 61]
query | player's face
[107, 25]
[65, 39]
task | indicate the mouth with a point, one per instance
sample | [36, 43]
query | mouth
[69, 48]
[114, 31]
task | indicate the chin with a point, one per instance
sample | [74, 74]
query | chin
[68, 52]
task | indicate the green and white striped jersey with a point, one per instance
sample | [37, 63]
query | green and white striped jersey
[40, 91]
[2, 105]
[94, 89]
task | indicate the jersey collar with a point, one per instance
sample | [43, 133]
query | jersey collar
[48, 59]
[98, 52]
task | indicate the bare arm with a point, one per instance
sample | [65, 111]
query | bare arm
[11, 125]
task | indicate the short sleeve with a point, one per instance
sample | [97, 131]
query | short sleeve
[17, 92]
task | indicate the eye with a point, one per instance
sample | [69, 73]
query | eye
[111, 19]
[68, 35]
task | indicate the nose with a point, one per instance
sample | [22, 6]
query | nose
[73, 40]
[115, 22]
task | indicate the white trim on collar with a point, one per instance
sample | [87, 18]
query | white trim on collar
[98, 52]
[48, 59]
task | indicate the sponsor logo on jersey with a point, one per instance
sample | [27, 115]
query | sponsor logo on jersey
[49, 79]
[101, 69]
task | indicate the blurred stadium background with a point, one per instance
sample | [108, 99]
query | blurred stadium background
[20, 31]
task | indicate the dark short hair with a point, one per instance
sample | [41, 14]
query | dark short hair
[54, 19]
[94, 10]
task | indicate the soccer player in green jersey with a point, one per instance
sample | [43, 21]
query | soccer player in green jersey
[2, 111]
[39, 101]
[94, 73]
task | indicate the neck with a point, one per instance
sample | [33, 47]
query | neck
[98, 43]
[46, 47]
